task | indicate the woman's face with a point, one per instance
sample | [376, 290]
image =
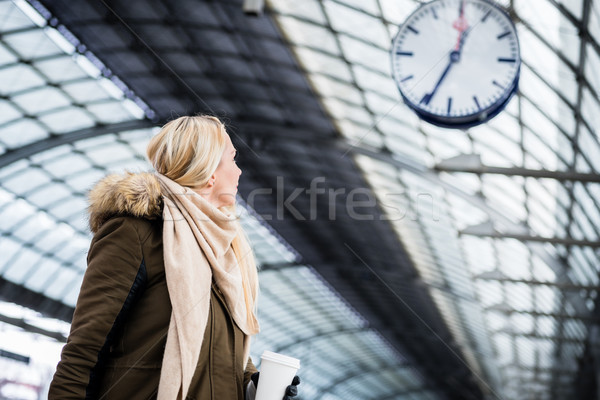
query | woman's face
[226, 178]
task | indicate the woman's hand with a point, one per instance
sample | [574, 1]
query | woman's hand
[290, 391]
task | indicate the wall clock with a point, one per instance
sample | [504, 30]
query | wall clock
[457, 62]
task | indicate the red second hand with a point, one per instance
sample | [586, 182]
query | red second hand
[460, 25]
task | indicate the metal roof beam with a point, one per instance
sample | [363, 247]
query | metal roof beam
[537, 336]
[471, 163]
[498, 276]
[25, 297]
[505, 309]
[56, 140]
[538, 370]
[478, 232]
[21, 323]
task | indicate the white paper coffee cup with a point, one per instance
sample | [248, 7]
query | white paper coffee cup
[276, 374]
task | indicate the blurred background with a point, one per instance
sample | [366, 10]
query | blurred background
[398, 260]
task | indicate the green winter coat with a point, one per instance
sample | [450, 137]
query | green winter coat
[119, 329]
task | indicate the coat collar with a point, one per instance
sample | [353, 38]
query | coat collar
[135, 194]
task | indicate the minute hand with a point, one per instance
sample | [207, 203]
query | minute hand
[454, 55]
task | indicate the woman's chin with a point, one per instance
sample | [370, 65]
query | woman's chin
[227, 199]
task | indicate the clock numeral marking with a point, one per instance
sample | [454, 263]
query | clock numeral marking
[497, 84]
[507, 60]
[413, 30]
[426, 99]
[503, 35]
[487, 14]
[405, 53]
[449, 104]
[407, 78]
[477, 102]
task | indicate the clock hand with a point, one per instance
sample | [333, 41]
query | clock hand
[454, 57]
[462, 26]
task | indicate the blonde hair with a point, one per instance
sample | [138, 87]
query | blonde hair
[188, 149]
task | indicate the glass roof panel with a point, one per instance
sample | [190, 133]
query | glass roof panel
[85, 91]
[62, 282]
[6, 57]
[65, 164]
[319, 62]
[575, 7]
[331, 88]
[32, 44]
[12, 18]
[490, 144]
[345, 111]
[375, 101]
[110, 112]
[542, 60]
[349, 21]
[401, 138]
[109, 153]
[19, 77]
[43, 99]
[369, 80]
[25, 181]
[8, 112]
[37, 280]
[544, 17]
[306, 10]
[364, 54]
[62, 69]
[21, 264]
[361, 134]
[21, 132]
[310, 35]
[26, 230]
[368, 6]
[67, 208]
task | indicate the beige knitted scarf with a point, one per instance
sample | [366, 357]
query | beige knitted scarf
[201, 243]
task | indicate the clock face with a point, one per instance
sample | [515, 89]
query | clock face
[456, 62]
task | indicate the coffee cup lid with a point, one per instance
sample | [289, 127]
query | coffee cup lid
[281, 359]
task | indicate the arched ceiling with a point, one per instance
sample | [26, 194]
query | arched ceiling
[396, 262]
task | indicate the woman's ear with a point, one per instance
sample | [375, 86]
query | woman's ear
[211, 181]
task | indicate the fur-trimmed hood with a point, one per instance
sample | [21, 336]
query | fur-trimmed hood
[135, 194]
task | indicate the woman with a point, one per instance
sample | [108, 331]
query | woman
[167, 304]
